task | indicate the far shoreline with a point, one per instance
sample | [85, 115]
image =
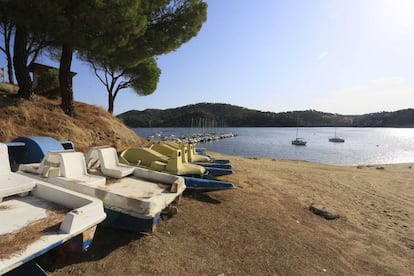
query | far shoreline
[312, 162]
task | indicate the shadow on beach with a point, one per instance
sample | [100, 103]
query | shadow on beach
[203, 197]
[106, 240]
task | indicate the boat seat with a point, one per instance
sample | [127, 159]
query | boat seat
[158, 165]
[123, 160]
[108, 162]
[49, 167]
[73, 169]
[15, 184]
[12, 183]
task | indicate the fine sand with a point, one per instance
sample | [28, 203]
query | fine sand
[264, 227]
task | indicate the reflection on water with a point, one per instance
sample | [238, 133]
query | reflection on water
[362, 145]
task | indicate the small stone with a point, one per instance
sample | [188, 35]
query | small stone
[321, 211]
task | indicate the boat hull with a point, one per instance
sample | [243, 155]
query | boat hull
[214, 160]
[298, 143]
[336, 140]
[212, 171]
[206, 185]
[221, 161]
[118, 220]
[214, 165]
[30, 268]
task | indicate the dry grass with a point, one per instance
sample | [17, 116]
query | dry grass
[18, 241]
[92, 125]
[8, 88]
[264, 226]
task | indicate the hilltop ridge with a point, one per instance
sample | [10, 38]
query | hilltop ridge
[92, 125]
[236, 116]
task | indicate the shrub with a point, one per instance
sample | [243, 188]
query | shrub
[48, 84]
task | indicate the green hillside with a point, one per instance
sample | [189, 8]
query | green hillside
[236, 116]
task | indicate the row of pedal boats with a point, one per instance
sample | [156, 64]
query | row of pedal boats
[53, 196]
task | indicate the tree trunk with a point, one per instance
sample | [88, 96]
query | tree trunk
[111, 100]
[10, 67]
[7, 37]
[65, 80]
[20, 66]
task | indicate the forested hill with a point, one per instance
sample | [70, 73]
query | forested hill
[213, 114]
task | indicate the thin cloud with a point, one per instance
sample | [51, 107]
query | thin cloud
[322, 55]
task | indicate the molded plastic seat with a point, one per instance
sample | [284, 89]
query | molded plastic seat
[73, 167]
[108, 162]
[48, 167]
[67, 166]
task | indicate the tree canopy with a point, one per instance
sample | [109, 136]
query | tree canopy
[123, 36]
[143, 78]
[168, 27]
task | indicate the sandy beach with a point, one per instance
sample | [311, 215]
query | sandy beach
[264, 227]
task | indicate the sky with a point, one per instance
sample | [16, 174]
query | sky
[338, 56]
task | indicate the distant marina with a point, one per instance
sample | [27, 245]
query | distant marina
[193, 138]
[363, 146]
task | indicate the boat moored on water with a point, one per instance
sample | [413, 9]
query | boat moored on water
[299, 142]
[336, 139]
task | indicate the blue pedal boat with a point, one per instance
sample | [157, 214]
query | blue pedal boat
[206, 185]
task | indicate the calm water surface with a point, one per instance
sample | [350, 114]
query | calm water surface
[362, 145]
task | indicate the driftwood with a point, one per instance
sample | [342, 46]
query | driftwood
[321, 211]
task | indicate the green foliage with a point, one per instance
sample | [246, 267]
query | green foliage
[118, 37]
[48, 84]
[144, 77]
[235, 116]
[169, 24]
[90, 25]
[96, 27]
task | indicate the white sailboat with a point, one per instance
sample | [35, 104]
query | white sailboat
[298, 141]
[336, 139]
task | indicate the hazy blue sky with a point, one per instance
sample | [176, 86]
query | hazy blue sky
[340, 56]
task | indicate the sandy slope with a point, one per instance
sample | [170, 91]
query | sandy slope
[91, 125]
[264, 227]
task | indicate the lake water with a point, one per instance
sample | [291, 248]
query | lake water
[363, 146]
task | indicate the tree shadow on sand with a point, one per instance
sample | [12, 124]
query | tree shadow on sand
[203, 197]
[105, 241]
